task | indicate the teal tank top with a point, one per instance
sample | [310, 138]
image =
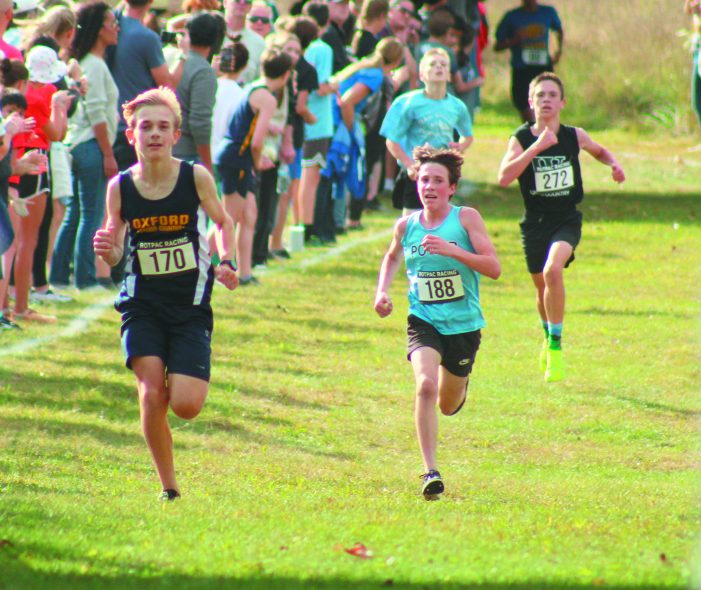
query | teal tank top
[442, 291]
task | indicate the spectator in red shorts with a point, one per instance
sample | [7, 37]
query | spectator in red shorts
[49, 109]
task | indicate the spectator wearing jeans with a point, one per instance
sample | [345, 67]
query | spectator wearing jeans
[91, 133]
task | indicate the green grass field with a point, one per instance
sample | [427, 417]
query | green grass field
[306, 444]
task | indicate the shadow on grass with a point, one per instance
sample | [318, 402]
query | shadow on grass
[17, 576]
[657, 407]
[638, 313]
[64, 392]
[496, 202]
[57, 428]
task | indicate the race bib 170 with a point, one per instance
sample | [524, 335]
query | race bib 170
[440, 286]
[167, 257]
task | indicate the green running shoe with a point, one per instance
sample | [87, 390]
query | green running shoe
[555, 370]
[543, 359]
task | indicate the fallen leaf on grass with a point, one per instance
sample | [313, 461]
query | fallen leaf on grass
[359, 550]
[6, 543]
[663, 559]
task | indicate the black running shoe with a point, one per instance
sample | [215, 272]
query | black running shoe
[169, 495]
[432, 485]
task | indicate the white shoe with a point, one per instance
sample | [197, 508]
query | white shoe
[49, 295]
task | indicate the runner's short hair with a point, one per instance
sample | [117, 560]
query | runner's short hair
[546, 76]
[433, 51]
[274, 63]
[451, 159]
[160, 96]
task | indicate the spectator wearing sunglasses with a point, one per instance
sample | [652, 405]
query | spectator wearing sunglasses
[235, 12]
[260, 18]
[400, 12]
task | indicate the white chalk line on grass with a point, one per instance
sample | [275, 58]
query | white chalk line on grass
[75, 327]
[91, 313]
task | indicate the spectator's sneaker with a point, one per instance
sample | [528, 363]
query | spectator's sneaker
[280, 254]
[543, 359]
[34, 316]
[7, 324]
[169, 495]
[555, 370]
[432, 486]
[49, 295]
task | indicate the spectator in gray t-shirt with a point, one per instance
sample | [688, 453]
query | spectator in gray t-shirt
[198, 88]
[137, 65]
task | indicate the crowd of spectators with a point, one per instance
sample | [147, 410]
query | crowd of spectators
[285, 106]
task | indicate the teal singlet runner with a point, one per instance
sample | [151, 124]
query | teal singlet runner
[442, 291]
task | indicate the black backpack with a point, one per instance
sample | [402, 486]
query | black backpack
[376, 107]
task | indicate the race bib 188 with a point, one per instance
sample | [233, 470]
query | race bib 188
[440, 286]
[167, 257]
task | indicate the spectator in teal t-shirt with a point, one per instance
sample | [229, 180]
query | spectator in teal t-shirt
[317, 137]
[426, 116]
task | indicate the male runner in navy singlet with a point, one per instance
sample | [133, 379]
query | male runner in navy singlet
[165, 296]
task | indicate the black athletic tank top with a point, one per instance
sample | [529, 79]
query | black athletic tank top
[553, 181]
[169, 260]
[235, 150]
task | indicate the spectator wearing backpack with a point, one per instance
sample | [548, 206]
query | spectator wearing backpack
[357, 84]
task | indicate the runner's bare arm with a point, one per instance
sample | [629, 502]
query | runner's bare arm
[263, 103]
[390, 263]
[557, 54]
[398, 152]
[484, 259]
[108, 242]
[517, 159]
[600, 153]
[224, 234]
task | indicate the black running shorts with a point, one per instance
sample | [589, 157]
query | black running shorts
[539, 232]
[520, 81]
[180, 335]
[236, 180]
[458, 351]
[405, 194]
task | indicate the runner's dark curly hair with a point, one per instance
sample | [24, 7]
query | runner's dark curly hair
[451, 159]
